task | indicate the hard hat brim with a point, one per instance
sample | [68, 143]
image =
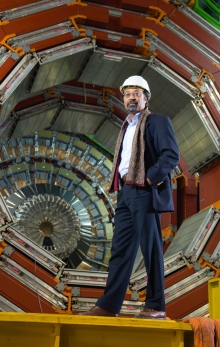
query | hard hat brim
[122, 88]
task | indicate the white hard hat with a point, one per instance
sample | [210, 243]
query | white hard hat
[135, 81]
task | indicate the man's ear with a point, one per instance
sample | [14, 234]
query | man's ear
[147, 103]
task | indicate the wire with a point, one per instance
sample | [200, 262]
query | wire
[35, 275]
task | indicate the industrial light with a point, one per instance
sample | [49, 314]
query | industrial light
[198, 20]
[42, 34]
[65, 50]
[172, 54]
[14, 79]
[27, 10]
[174, 78]
[214, 57]
[208, 122]
[38, 108]
[73, 90]
[212, 91]
[74, 106]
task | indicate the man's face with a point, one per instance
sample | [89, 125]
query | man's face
[134, 100]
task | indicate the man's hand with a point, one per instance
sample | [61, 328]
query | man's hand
[159, 183]
[149, 182]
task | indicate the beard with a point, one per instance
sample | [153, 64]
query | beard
[133, 107]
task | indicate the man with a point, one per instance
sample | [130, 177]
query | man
[146, 152]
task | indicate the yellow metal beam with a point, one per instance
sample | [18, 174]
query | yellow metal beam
[179, 176]
[144, 50]
[167, 233]
[158, 15]
[18, 50]
[78, 2]
[4, 23]
[82, 31]
[104, 96]
[52, 330]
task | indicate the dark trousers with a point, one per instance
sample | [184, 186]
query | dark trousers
[136, 223]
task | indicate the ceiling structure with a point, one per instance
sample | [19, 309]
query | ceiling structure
[61, 65]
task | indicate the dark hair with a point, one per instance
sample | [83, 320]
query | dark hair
[146, 94]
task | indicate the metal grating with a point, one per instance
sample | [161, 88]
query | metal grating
[58, 68]
[107, 135]
[167, 98]
[16, 85]
[79, 120]
[193, 234]
[194, 141]
[109, 70]
[34, 123]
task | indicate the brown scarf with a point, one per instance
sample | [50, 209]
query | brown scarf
[136, 170]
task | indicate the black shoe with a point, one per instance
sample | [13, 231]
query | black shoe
[98, 311]
[149, 313]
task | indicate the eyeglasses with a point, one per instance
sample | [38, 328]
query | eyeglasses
[135, 94]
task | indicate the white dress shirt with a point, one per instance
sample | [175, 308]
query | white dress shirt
[127, 144]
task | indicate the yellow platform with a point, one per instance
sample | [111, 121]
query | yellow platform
[214, 295]
[53, 330]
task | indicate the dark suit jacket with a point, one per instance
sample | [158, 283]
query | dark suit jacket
[161, 157]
